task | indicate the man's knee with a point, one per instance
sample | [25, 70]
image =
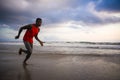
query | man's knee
[29, 52]
[28, 55]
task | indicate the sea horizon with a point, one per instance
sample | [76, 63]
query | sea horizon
[90, 42]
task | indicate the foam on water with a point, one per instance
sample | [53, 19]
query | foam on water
[66, 47]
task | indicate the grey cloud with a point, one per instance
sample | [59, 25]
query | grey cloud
[26, 11]
[13, 12]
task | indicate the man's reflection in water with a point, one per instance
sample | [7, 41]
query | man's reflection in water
[25, 75]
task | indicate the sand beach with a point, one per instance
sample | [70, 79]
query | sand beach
[51, 66]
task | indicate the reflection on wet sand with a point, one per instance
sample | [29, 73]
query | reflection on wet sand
[25, 75]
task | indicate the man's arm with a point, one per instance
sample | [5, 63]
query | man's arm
[21, 29]
[36, 37]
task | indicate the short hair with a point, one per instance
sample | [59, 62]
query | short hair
[38, 19]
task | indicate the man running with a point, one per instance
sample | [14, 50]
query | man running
[32, 30]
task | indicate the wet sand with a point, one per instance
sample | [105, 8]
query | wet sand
[59, 67]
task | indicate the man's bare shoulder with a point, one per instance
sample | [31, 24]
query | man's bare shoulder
[28, 26]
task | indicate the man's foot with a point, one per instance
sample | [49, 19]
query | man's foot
[20, 51]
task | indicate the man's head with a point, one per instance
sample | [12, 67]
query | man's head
[38, 22]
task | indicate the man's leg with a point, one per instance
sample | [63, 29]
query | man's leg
[22, 50]
[29, 48]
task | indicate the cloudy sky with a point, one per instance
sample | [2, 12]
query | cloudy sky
[63, 20]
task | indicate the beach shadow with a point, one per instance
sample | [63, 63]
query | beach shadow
[25, 75]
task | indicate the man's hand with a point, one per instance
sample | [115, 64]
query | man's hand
[16, 37]
[41, 43]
